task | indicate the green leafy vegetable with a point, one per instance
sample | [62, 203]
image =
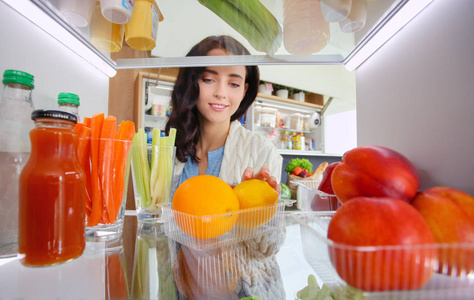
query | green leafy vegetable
[299, 162]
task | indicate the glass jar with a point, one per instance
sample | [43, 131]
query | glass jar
[15, 124]
[69, 102]
[51, 227]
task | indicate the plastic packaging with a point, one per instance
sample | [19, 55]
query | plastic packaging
[15, 124]
[356, 19]
[117, 11]
[77, 12]
[335, 10]
[69, 102]
[141, 31]
[305, 31]
[105, 35]
[51, 227]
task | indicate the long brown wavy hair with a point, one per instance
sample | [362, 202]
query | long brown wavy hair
[184, 116]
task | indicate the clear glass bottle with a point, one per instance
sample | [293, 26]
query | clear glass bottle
[51, 227]
[15, 124]
[69, 102]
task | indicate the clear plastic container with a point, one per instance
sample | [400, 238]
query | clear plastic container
[77, 12]
[305, 31]
[296, 121]
[335, 10]
[15, 147]
[268, 117]
[376, 260]
[141, 30]
[117, 11]
[105, 35]
[356, 19]
[257, 116]
[309, 198]
[251, 223]
[69, 102]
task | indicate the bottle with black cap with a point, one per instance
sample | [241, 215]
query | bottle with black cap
[51, 224]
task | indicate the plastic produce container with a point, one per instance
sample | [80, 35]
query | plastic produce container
[250, 223]
[309, 198]
[317, 249]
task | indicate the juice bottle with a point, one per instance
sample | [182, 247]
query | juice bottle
[51, 227]
[69, 102]
[15, 124]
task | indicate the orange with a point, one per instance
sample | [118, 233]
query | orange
[203, 207]
[259, 199]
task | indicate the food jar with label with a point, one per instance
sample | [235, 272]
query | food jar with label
[117, 11]
[51, 227]
[141, 30]
[105, 35]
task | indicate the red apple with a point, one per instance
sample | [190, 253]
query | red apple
[380, 245]
[374, 171]
[450, 215]
[326, 185]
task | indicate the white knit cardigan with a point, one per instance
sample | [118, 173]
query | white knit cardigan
[243, 148]
[259, 273]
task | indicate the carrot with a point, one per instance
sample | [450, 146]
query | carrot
[96, 128]
[125, 132]
[87, 121]
[83, 155]
[106, 158]
[78, 128]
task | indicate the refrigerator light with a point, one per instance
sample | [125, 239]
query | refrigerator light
[37, 16]
[388, 29]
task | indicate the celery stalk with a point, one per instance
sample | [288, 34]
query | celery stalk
[141, 168]
[161, 187]
[156, 141]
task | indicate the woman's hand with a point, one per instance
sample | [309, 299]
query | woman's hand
[263, 174]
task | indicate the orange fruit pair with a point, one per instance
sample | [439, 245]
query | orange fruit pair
[205, 207]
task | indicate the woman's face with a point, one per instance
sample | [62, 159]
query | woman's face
[221, 89]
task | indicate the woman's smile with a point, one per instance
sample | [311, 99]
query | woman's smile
[218, 106]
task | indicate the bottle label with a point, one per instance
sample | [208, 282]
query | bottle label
[128, 4]
[155, 20]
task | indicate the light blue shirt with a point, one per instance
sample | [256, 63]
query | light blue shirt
[213, 166]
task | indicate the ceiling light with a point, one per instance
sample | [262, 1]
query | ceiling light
[64, 35]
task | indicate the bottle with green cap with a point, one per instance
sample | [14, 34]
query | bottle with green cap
[69, 102]
[16, 107]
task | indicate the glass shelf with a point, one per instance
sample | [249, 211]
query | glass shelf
[187, 21]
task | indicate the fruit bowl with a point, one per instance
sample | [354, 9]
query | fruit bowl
[198, 232]
[309, 198]
[318, 249]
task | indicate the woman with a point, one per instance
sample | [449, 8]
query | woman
[208, 103]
